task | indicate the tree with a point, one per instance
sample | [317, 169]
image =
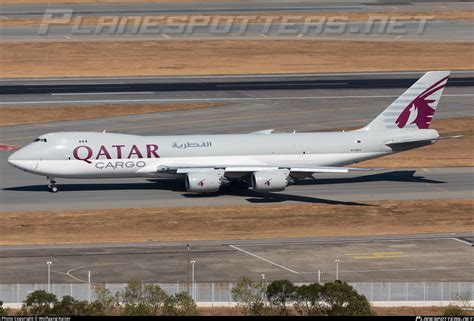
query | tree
[65, 306]
[142, 299]
[249, 296]
[40, 302]
[3, 311]
[154, 297]
[454, 310]
[133, 293]
[308, 300]
[137, 309]
[342, 299]
[180, 304]
[106, 303]
[279, 293]
[70, 306]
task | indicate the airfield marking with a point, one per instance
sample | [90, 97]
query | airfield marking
[105, 93]
[222, 119]
[206, 99]
[409, 269]
[376, 255]
[462, 241]
[68, 273]
[239, 76]
[264, 259]
[8, 147]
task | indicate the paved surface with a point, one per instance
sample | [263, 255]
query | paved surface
[242, 111]
[264, 6]
[26, 192]
[409, 30]
[150, 85]
[246, 89]
[446, 257]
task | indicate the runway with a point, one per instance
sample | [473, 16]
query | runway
[150, 85]
[423, 257]
[241, 111]
[23, 192]
[410, 28]
[448, 31]
[238, 7]
[224, 88]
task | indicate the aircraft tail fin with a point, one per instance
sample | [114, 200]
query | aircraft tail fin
[415, 108]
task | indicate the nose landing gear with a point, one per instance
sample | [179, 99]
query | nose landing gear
[52, 187]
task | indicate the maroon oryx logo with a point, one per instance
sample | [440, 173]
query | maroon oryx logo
[419, 111]
[201, 183]
[268, 182]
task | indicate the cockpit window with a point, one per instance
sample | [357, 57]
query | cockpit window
[37, 140]
[44, 140]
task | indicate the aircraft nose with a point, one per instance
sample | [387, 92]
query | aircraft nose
[13, 159]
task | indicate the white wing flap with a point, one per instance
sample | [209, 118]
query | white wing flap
[250, 169]
[329, 169]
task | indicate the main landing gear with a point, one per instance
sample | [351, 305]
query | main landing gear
[52, 187]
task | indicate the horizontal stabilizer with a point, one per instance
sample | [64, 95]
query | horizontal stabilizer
[265, 131]
[410, 141]
[449, 137]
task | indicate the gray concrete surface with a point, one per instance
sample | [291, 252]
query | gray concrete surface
[441, 257]
[433, 31]
[23, 192]
[265, 6]
[409, 30]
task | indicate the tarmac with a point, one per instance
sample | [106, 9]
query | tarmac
[416, 258]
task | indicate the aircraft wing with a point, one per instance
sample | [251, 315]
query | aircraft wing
[184, 169]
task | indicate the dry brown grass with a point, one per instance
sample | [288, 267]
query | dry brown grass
[35, 115]
[236, 222]
[389, 311]
[142, 58]
[255, 18]
[414, 311]
[447, 152]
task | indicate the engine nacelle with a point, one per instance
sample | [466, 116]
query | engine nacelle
[204, 182]
[269, 181]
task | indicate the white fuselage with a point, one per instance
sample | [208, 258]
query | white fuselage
[109, 155]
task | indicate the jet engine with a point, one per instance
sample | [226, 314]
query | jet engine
[204, 182]
[269, 181]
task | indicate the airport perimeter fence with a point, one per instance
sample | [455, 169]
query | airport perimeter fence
[220, 294]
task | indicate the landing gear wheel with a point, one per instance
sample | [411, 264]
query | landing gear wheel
[52, 187]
